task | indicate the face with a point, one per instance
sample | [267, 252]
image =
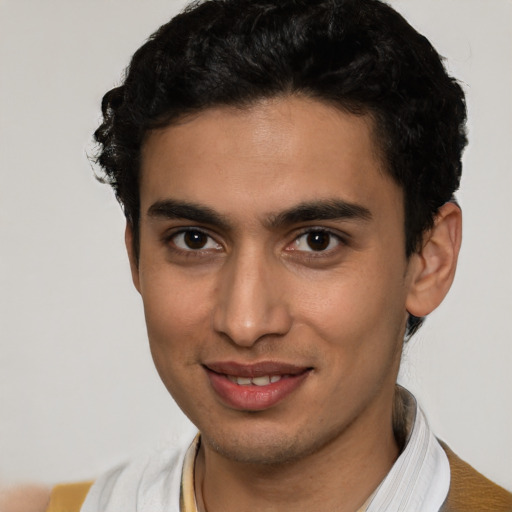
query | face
[273, 274]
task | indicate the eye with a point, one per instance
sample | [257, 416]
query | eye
[316, 241]
[194, 240]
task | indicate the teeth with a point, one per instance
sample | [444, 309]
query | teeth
[264, 380]
[261, 381]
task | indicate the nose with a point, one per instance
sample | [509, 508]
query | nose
[251, 300]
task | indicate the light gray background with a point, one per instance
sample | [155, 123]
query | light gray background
[78, 392]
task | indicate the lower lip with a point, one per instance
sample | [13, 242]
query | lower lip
[252, 397]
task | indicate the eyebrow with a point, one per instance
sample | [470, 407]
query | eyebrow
[332, 209]
[173, 209]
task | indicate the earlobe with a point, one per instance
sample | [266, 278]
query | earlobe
[433, 268]
[130, 249]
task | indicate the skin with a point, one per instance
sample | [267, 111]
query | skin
[251, 289]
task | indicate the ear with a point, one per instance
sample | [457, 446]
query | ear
[134, 260]
[433, 268]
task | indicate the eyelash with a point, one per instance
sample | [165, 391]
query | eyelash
[319, 231]
[169, 240]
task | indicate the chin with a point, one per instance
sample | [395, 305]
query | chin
[269, 453]
[265, 448]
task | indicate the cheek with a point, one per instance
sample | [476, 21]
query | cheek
[357, 311]
[177, 319]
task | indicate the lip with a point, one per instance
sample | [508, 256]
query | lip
[252, 397]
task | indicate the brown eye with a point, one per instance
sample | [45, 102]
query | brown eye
[318, 240]
[194, 240]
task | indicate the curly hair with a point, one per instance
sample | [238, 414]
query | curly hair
[358, 55]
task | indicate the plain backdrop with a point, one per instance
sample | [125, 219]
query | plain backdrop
[78, 391]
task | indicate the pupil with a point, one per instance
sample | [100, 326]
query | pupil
[318, 241]
[195, 239]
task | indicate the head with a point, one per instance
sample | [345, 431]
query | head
[360, 57]
[247, 135]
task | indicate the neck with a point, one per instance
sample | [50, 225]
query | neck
[338, 476]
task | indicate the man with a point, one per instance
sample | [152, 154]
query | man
[287, 172]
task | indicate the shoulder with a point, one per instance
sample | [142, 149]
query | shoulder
[470, 490]
[25, 498]
[140, 483]
[147, 483]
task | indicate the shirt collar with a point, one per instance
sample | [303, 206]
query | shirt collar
[420, 477]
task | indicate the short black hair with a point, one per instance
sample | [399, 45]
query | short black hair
[358, 55]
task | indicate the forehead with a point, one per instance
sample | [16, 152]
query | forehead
[266, 157]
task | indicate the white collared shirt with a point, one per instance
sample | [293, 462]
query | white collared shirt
[420, 478]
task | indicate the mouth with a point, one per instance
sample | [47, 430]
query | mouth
[254, 387]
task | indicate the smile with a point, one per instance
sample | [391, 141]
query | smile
[254, 387]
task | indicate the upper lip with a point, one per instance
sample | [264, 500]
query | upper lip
[257, 369]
